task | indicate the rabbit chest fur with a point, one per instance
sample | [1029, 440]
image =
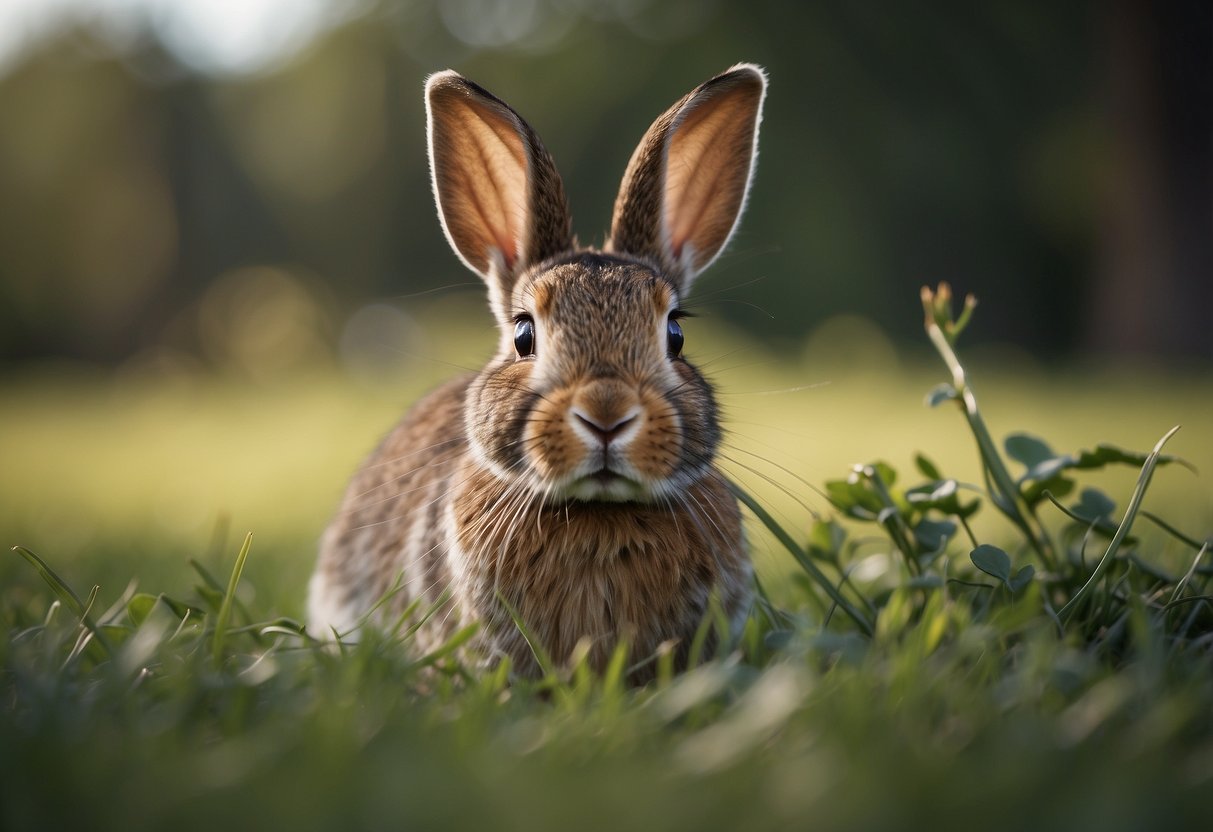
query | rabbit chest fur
[572, 481]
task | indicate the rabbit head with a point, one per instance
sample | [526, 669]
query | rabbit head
[589, 397]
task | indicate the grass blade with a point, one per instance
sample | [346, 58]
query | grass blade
[1126, 523]
[452, 644]
[541, 657]
[225, 609]
[65, 594]
[803, 559]
[1171, 530]
[1183, 583]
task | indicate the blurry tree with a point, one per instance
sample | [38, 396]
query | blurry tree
[1153, 292]
[1055, 158]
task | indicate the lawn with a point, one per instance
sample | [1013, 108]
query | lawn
[984, 694]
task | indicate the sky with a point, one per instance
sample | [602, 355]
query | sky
[218, 37]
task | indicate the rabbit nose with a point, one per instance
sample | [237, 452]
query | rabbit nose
[605, 430]
[604, 411]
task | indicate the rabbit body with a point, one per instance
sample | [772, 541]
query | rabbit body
[571, 482]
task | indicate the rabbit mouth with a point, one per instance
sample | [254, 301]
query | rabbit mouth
[606, 485]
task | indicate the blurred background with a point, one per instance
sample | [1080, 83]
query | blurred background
[221, 277]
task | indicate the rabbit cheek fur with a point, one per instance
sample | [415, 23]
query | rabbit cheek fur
[573, 480]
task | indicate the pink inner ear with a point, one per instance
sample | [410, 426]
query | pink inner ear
[505, 162]
[509, 242]
[707, 171]
[480, 170]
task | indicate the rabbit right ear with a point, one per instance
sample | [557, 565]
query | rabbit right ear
[500, 199]
[686, 184]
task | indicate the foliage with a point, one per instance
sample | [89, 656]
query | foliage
[920, 521]
[921, 676]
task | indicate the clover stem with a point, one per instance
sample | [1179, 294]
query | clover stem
[1011, 501]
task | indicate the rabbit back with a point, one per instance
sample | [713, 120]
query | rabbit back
[388, 530]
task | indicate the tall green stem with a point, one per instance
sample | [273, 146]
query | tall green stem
[1007, 498]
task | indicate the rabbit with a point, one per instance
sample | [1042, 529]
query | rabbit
[571, 482]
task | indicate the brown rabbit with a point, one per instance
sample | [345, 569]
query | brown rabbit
[573, 476]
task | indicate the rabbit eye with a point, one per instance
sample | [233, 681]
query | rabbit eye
[674, 337]
[524, 336]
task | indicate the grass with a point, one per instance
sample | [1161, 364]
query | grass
[942, 644]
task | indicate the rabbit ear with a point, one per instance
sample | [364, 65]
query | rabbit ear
[500, 199]
[686, 185]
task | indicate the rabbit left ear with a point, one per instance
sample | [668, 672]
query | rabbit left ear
[686, 184]
[500, 199]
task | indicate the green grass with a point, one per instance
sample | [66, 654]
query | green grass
[1058, 675]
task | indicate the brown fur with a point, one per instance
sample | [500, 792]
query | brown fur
[576, 484]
